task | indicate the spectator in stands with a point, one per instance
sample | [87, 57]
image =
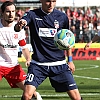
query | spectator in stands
[89, 12]
[86, 31]
[75, 13]
[63, 10]
[75, 27]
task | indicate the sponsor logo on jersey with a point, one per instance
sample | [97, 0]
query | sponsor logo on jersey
[47, 32]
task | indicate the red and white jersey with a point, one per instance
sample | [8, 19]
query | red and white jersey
[9, 40]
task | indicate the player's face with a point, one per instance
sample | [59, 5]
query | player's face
[9, 14]
[48, 5]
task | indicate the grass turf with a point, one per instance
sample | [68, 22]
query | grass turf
[87, 77]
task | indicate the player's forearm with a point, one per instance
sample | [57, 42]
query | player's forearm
[26, 54]
[69, 55]
[69, 52]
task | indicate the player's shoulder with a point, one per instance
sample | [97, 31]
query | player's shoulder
[33, 12]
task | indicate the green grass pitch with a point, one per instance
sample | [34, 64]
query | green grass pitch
[87, 77]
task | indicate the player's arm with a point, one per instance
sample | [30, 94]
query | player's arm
[70, 60]
[26, 54]
[95, 38]
[21, 23]
[25, 51]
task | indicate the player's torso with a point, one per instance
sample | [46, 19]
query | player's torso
[43, 28]
[8, 36]
[8, 45]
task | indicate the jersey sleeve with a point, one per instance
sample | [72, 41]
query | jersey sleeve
[27, 17]
[22, 41]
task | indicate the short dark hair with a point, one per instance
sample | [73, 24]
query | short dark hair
[5, 4]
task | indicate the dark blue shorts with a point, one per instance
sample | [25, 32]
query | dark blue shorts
[60, 76]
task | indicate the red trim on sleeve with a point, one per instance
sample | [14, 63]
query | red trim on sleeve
[22, 43]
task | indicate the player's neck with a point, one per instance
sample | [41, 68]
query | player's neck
[45, 12]
[5, 23]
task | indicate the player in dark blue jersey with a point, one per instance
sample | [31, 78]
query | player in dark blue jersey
[47, 59]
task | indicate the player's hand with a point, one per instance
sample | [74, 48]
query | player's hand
[27, 63]
[21, 23]
[71, 66]
[87, 46]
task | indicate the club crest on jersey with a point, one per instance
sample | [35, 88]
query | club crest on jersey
[15, 36]
[56, 24]
[53, 32]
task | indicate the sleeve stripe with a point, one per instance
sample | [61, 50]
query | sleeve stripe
[22, 43]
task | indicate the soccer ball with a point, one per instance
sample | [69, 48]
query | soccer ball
[64, 39]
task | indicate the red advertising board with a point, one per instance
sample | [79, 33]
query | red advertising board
[90, 54]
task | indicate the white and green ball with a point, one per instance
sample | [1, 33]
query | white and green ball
[64, 39]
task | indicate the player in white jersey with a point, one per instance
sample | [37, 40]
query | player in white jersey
[10, 69]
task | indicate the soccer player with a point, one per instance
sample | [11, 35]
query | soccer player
[48, 60]
[10, 69]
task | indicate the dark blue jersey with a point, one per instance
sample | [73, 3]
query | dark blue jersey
[43, 27]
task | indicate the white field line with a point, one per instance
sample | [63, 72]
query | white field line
[92, 66]
[56, 95]
[86, 77]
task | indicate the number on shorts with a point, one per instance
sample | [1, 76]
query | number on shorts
[29, 77]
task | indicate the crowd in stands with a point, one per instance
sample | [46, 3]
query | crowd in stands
[84, 24]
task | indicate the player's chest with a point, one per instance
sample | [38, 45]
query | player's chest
[49, 21]
[8, 37]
